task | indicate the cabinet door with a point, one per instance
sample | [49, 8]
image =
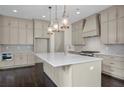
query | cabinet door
[104, 32]
[120, 34]
[104, 16]
[4, 64]
[29, 36]
[14, 22]
[21, 59]
[38, 29]
[112, 29]
[22, 32]
[6, 35]
[112, 13]
[80, 38]
[45, 29]
[120, 11]
[22, 36]
[0, 34]
[73, 34]
[41, 46]
[73, 37]
[4, 21]
[31, 59]
[14, 35]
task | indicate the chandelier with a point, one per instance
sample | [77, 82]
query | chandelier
[57, 25]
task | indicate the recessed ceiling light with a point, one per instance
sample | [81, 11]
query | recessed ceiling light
[43, 16]
[77, 12]
[15, 11]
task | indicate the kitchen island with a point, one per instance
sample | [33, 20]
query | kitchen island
[72, 70]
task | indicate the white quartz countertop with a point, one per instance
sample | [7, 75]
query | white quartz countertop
[61, 59]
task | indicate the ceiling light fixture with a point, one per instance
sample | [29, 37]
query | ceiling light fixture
[43, 16]
[15, 11]
[56, 22]
[57, 26]
[65, 21]
[50, 27]
[78, 11]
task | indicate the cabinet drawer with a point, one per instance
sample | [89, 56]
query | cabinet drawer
[6, 63]
[106, 68]
[114, 71]
[114, 63]
[20, 59]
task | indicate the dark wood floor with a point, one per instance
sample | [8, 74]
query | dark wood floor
[34, 77]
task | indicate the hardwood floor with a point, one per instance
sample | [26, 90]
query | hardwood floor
[34, 77]
[25, 77]
[108, 81]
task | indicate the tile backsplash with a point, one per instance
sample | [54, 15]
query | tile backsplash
[16, 48]
[94, 44]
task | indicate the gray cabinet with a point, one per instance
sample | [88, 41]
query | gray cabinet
[41, 29]
[109, 26]
[104, 32]
[112, 30]
[112, 25]
[120, 34]
[120, 10]
[15, 30]
[113, 65]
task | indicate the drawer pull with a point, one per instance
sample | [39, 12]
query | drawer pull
[112, 63]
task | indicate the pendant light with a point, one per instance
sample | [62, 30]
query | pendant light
[56, 23]
[65, 21]
[50, 28]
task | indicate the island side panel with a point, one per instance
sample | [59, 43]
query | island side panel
[61, 76]
[86, 74]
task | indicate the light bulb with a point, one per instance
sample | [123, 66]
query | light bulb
[49, 29]
[65, 21]
[77, 12]
[56, 26]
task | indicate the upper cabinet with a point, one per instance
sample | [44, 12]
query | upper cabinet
[120, 11]
[16, 30]
[77, 30]
[91, 27]
[40, 29]
[112, 25]
[25, 31]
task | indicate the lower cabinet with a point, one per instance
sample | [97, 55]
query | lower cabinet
[19, 60]
[113, 66]
[30, 59]
[76, 75]
[6, 64]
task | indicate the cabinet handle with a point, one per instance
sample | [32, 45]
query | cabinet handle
[21, 58]
[111, 63]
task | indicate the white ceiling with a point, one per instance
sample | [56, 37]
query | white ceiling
[37, 11]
